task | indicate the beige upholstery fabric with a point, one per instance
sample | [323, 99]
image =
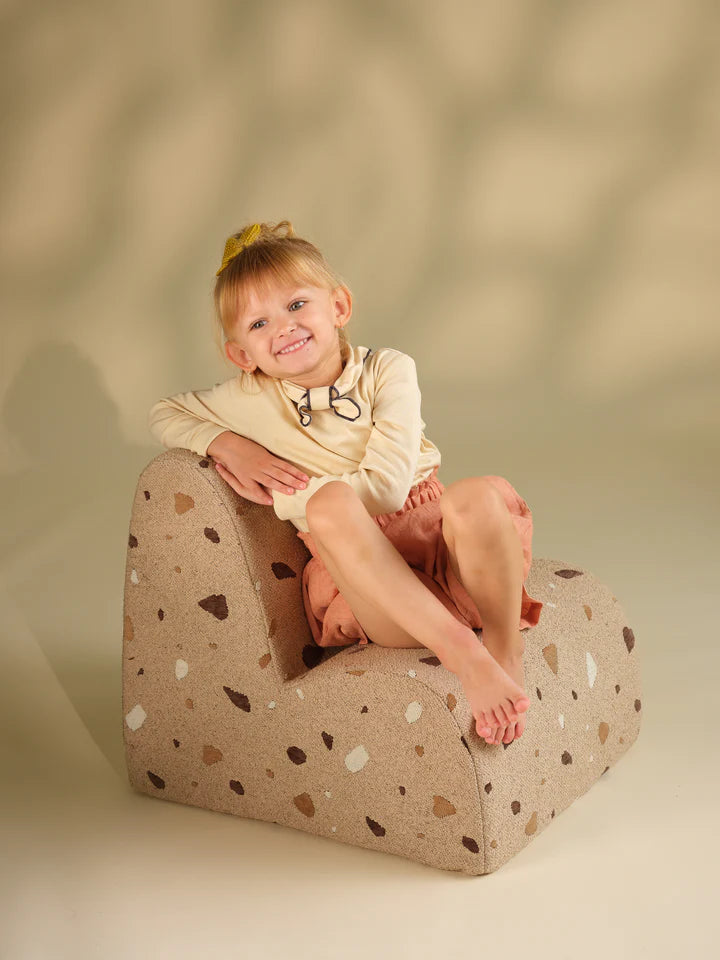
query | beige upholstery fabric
[229, 704]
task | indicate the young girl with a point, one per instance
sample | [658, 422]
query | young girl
[331, 435]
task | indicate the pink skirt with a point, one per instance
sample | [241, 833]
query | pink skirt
[416, 532]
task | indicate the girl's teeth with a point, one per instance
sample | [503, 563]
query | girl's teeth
[296, 347]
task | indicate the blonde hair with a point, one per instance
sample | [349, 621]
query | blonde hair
[274, 257]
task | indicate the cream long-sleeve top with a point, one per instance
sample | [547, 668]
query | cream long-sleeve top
[365, 429]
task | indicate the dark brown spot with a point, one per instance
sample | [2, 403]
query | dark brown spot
[515, 806]
[629, 638]
[203, 463]
[147, 494]
[488, 787]
[566, 758]
[375, 827]
[574, 695]
[132, 541]
[237, 787]
[183, 503]
[189, 704]
[568, 574]
[211, 754]
[327, 740]
[141, 671]
[212, 534]
[176, 742]
[430, 661]
[239, 699]
[552, 814]
[364, 710]
[617, 688]
[470, 844]
[297, 755]
[637, 706]
[402, 791]
[420, 750]
[312, 655]
[161, 614]
[216, 604]
[605, 770]
[537, 691]
[156, 781]
[281, 570]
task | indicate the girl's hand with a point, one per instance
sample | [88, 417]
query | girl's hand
[251, 470]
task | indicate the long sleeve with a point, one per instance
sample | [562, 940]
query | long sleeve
[387, 470]
[193, 419]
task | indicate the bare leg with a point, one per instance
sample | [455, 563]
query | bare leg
[486, 555]
[356, 551]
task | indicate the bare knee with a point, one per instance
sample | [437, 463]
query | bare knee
[471, 498]
[327, 504]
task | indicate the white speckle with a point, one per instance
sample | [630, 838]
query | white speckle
[327, 793]
[587, 726]
[561, 721]
[272, 705]
[300, 693]
[333, 829]
[552, 586]
[136, 717]
[357, 758]
[591, 668]
[134, 576]
[181, 669]
[413, 711]
[550, 604]
[412, 673]
[591, 756]
[257, 584]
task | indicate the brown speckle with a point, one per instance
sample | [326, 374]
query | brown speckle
[531, 825]
[147, 494]
[189, 704]
[574, 695]
[183, 503]
[212, 534]
[129, 632]
[211, 755]
[442, 807]
[603, 731]
[568, 574]
[537, 693]
[132, 541]
[629, 638]
[140, 672]
[588, 611]
[155, 780]
[161, 614]
[364, 710]
[537, 753]
[177, 569]
[430, 661]
[552, 813]
[216, 604]
[237, 787]
[176, 742]
[375, 827]
[550, 654]
[402, 791]
[264, 660]
[327, 740]
[240, 700]
[566, 758]
[470, 844]
[297, 755]
[203, 463]
[617, 688]
[419, 750]
[451, 701]
[493, 843]
[515, 806]
[281, 570]
[304, 804]
[488, 787]
[269, 773]
[637, 706]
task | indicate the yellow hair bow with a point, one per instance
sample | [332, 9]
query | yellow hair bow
[235, 245]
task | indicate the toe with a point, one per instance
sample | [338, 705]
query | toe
[509, 733]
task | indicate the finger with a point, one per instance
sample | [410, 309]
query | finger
[287, 473]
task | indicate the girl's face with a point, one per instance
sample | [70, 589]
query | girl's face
[275, 319]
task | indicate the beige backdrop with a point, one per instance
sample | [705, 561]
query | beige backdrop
[524, 196]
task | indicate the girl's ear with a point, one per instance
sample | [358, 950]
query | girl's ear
[237, 355]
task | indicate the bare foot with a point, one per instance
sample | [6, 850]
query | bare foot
[496, 699]
[511, 660]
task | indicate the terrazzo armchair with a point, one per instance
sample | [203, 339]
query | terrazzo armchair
[229, 704]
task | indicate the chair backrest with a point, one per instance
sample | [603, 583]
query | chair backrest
[200, 558]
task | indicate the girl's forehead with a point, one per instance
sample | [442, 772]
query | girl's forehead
[254, 297]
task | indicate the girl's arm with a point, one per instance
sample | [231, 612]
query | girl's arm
[387, 470]
[194, 419]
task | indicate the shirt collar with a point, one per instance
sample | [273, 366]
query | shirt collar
[331, 397]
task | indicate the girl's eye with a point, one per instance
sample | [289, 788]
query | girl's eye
[296, 301]
[252, 326]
